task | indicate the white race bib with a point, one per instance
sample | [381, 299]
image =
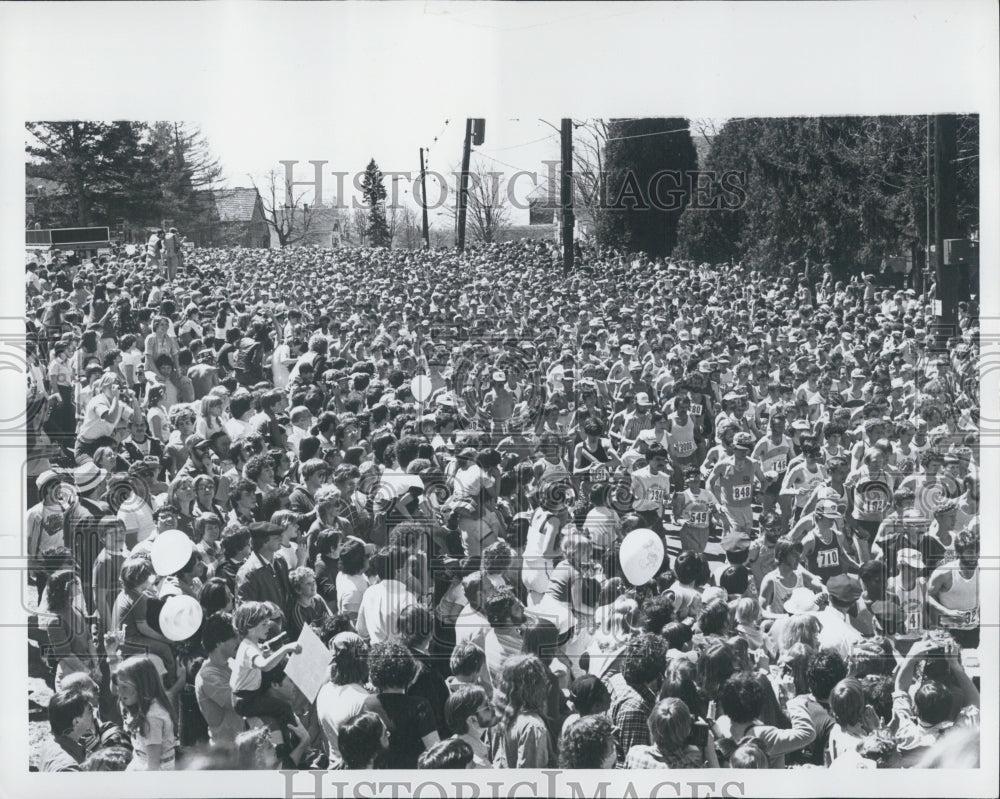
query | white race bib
[828, 558]
[742, 491]
[698, 518]
[685, 448]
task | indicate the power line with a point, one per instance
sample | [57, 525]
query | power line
[524, 144]
[644, 135]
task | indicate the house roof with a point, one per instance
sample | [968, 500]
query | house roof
[36, 185]
[235, 205]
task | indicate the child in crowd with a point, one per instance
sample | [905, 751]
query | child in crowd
[251, 693]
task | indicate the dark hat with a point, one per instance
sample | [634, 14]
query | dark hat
[258, 529]
[845, 588]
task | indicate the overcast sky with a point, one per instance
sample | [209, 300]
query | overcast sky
[347, 144]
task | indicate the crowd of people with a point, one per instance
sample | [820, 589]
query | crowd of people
[438, 464]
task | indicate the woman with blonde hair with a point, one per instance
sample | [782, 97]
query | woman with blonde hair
[747, 615]
[105, 458]
[209, 416]
[802, 628]
[571, 597]
[148, 714]
[181, 495]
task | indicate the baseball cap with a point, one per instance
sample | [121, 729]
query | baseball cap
[858, 374]
[828, 509]
[910, 557]
[743, 441]
[642, 398]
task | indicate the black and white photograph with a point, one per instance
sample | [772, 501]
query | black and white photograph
[557, 441]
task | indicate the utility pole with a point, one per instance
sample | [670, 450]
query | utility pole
[921, 285]
[463, 192]
[423, 200]
[566, 194]
[945, 227]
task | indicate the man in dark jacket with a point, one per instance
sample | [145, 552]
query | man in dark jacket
[263, 577]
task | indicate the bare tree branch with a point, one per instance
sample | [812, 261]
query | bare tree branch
[288, 224]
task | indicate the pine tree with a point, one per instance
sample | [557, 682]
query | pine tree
[647, 163]
[373, 192]
[106, 168]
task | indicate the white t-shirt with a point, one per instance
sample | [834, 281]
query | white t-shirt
[335, 706]
[350, 589]
[133, 358]
[279, 372]
[652, 490]
[378, 614]
[137, 516]
[246, 676]
[93, 426]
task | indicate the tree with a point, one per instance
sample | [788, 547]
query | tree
[105, 167]
[487, 209]
[590, 139]
[290, 223]
[410, 234]
[648, 162]
[373, 191]
[845, 190]
[188, 173]
[358, 226]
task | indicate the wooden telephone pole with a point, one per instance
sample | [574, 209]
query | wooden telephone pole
[945, 226]
[566, 193]
[423, 201]
[463, 192]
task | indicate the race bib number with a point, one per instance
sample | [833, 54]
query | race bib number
[828, 558]
[914, 617]
[599, 475]
[695, 409]
[685, 448]
[698, 518]
[742, 491]
[875, 505]
[969, 618]
[657, 494]
[779, 464]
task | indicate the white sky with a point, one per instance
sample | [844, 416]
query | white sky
[510, 145]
